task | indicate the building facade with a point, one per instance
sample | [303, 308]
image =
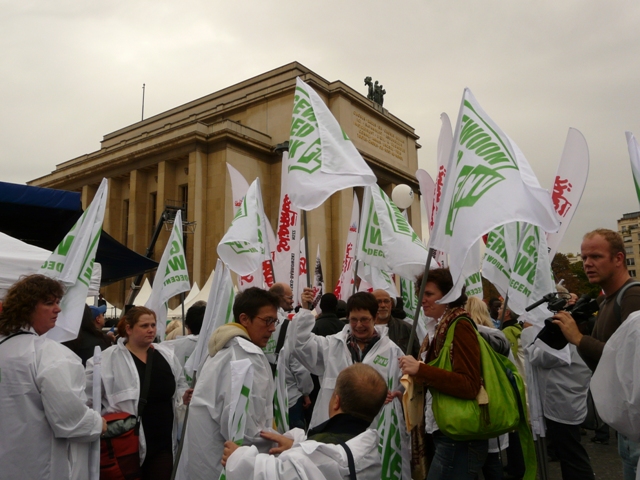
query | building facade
[179, 158]
[629, 228]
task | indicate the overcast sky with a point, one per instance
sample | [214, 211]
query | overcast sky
[72, 71]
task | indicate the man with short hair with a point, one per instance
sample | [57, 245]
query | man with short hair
[359, 395]
[494, 309]
[328, 323]
[604, 262]
[256, 316]
[398, 331]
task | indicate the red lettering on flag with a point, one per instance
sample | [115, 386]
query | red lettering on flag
[288, 218]
[560, 202]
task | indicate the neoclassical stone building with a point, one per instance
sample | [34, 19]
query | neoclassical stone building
[180, 156]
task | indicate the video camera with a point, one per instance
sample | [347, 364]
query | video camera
[581, 312]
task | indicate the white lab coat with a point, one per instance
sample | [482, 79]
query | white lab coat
[42, 408]
[297, 377]
[615, 385]
[328, 356]
[121, 385]
[208, 423]
[309, 460]
[182, 348]
[563, 387]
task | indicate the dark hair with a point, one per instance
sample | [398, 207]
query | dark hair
[362, 391]
[328, 303]
[131, 318]
[493, 299]
[194, 317]
[23, 298]
[363, 301]
[251, 300]
[441, 277]
[88, 327]
[341, 309]
[614, 239]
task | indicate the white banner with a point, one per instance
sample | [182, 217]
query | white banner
[409, 297]
[471, 272]
[394, 441]
[245, 245]
[280, 396]
[287, 250]
[72, 264]
[386, 239]
[241, 384]
[302, 271]
[568, 185]
[488, 183]
[171, 277]
[634, 156]
[322, 160]
[219, 311]
[318, 283]
[378, 279]
[344, 288]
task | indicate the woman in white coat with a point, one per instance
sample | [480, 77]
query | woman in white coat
[42, 399]
[359, 341]
[123, 369]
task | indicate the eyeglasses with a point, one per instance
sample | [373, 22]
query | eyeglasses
[288, 297]
[270, 321]
[363, 320]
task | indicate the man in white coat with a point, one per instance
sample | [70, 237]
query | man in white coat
[42, 397]
[183, 347]
[359, 394]
[255, 314]
[359, 342]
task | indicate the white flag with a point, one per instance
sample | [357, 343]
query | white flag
[344, 288]
[239, 187]
[302, 271]
[378, 279]
[394, 441]
[488, 183]
[427, 192]
[409, 297]
[318, 283]
[517, 262]
[241, 385]
[280, 397]
[171, 277]
[322, 160]
[219, 311]
[569, 183]
[245, 245]
[72, 264]
[386, 239]
[634, 156]
[471, 272]
[287, 250]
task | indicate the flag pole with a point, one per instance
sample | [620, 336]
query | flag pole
[184, 431]
[306, 244]
[423, 285]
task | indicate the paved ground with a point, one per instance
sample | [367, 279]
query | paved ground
[604, 459]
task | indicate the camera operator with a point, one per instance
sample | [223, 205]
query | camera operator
[604, 261]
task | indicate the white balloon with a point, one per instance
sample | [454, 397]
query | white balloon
[402, 196]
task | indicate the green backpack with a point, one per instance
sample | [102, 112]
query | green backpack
[498, 409]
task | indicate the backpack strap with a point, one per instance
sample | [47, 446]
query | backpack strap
[623, 290]
[352, 464]
[20, 332]
[144, 390]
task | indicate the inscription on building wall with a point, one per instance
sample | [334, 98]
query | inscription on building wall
[379, 136]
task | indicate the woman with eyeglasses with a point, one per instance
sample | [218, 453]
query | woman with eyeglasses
[123, 373]
[453, 459]
[359, 341]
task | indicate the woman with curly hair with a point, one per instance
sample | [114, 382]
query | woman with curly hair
[42, 396]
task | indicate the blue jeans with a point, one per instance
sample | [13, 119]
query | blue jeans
[629, 454]
[457, 460]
